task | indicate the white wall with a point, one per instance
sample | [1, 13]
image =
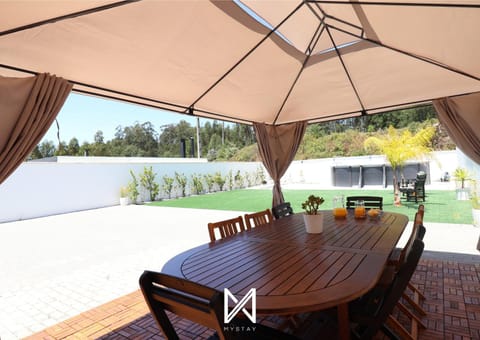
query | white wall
[319, 171]
[69, 184]
[46, 188]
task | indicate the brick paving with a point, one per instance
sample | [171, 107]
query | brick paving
[56, 268]
[450, 284]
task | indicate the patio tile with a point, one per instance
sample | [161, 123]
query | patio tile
[449, 316]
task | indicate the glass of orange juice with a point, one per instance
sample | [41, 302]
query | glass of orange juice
[360, 211]
[339, 210]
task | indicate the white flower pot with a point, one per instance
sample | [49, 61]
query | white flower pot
[313, 223]
[123, 200]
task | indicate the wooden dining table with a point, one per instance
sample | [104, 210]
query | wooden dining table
[293, 271]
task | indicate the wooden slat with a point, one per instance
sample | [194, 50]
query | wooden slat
[294, 271]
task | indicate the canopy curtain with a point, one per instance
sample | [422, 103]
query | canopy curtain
[278, 145]
[461, 117]
[28, 106]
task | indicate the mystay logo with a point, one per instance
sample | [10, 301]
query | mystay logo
[239, 305]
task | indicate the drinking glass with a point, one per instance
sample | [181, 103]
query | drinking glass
[339, 210]
[360, 209]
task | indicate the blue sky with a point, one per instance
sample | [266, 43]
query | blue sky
[82, 116]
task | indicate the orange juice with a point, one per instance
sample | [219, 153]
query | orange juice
[359, 212]
[339, 212]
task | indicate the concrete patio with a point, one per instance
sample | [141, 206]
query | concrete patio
[56, 268]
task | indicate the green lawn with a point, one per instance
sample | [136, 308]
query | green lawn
[440, 206]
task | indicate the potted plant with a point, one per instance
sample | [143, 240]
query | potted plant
[462, 175]
[123, 196]
[312, 217]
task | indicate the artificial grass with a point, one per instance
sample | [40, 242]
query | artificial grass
[440, 206]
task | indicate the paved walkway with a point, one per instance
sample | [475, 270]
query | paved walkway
[54, 268]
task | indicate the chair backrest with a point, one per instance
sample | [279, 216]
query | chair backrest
[421, 230]
[421, 176]
[413, 236]
[184, 298]
[370, 201]
[282, 210]
[258, 218]
[392, 293]
[226, 228]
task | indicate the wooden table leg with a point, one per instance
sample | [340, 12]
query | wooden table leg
[343, 322]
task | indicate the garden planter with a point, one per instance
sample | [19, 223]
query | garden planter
[123, 200]
[313, 223]
[463, 194]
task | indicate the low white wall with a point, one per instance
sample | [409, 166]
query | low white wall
[67, 184]
[46, 188]
[319, 171]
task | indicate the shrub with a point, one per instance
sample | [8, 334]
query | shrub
[147, 180]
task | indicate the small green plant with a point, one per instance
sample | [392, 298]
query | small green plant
[181, 182]
[462, 175]
[219, 180]
[133, 188]
[168, 185]
[229, 179]
[210, 181]
[197, 184]
[147, 180]
[260, 176]
[312, 204]
[238, 180]
[250, 178]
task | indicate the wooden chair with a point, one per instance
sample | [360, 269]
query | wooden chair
[226, 228]
[197, 303]
[258, 218]
[282, 210]
[373, 311]
[396, 260]
[370, 201]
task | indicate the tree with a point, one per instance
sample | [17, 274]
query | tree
[398, 147]
[73, 147]
[46, 149]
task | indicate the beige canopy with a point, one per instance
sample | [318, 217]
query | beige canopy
[270, 62]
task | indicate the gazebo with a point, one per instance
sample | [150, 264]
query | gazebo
[275, 65]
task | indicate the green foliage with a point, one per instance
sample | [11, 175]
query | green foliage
[133, 188]
[167, 186]
[181, 182]
[238, 179]
[229, 180]
[236, 142]
[197, 184]
[210, 181]
[399, 146]
[219, 180]
[462, 175]
[260, 175]
[147, 180]
[312, 204]
[441, 206]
